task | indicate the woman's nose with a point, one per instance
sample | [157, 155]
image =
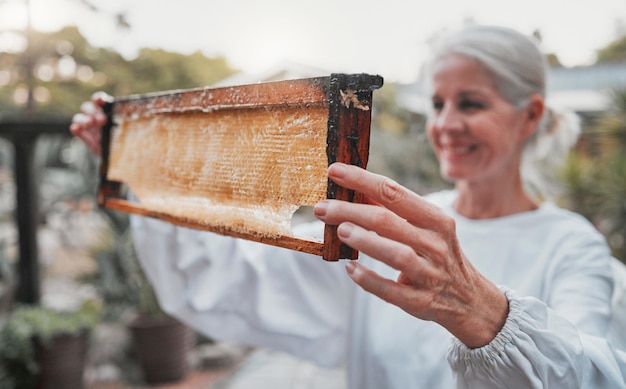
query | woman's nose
[448, 119]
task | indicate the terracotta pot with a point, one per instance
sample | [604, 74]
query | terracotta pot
[62, 362]
[162, 346]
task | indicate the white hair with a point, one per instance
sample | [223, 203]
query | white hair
[519, 70]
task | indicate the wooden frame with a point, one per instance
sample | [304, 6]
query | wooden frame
[348, 99]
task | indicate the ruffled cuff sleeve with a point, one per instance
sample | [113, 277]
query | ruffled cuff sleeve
[536, 348]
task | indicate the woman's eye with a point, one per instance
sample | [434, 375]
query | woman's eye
[437, 105]
[471, 104]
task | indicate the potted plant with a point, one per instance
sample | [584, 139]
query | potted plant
[160, 343]
[42, 347]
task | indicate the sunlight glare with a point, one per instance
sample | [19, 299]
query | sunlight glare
[14, 16]
[269, 52]
[11, 42]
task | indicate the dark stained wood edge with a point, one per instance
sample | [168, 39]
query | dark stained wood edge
[292, 243]
[348, 140]
[107, 189]
[301, 92]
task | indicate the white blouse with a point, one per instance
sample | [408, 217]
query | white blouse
[552, 264]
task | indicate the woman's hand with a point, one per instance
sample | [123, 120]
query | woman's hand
[436, 282]
[87, 125]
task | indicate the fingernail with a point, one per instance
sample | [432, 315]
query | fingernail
[87, 107]
[100, 117]
[338, 170]
[320, 208]
[351, 267]
[345, 230]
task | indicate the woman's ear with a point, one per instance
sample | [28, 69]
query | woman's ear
[533, 114]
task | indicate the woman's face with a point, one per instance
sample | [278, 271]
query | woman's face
[477, 134]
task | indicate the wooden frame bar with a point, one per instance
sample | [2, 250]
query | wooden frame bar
[348, 99]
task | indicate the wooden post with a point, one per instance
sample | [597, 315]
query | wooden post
[23, 134]
[28, 289]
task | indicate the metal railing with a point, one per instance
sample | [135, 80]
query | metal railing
[23, 135]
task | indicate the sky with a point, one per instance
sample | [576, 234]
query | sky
[386, 37]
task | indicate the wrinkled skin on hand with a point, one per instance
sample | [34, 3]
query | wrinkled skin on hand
[398, 227]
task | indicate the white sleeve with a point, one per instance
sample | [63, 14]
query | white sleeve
[538, 348]
[617, 328]
[246, 292]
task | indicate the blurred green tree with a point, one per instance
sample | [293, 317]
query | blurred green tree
[613, 52]
[595, 173]
[66, 70]
[596, 184]
[399, 145]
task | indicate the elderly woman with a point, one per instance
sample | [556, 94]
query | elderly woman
[482, 286]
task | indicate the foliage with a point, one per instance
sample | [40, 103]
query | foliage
[120, 280]
[579, 174]
[399, 146]
[613, 52]
[552, 58]
[29, 324]
[68, 70]
[156, 70]
[7, 277]
[597, 181]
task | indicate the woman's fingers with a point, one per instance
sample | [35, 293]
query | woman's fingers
[413, 300]
[80, 124]
[381, 221]
[89, 108]
[99, 98]
[390, 195]
[92, 140]
[435, 280]
[382, 287]
[372, 282]
[397, 255]
[87, 125]
[88, 128]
